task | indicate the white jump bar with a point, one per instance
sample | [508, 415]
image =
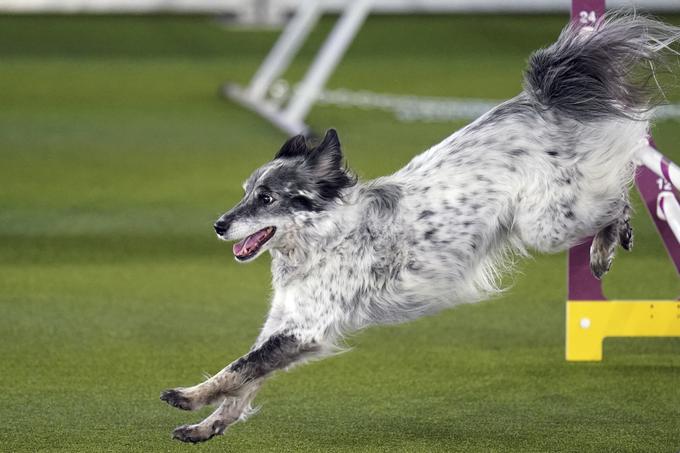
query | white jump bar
[659, 164]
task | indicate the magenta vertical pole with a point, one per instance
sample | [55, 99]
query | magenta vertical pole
[581, 284]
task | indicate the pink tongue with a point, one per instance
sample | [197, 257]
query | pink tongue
[248, 244]
[238, 248]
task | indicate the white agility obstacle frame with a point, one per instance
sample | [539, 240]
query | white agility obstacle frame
[667, 206]
[288, 108]
[291, 117]
[668, 182]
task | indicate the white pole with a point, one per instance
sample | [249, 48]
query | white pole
[668, 209]
[326, 60]
[279, 58]
[655, 161]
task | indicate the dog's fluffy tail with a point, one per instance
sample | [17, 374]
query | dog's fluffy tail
[604, 73]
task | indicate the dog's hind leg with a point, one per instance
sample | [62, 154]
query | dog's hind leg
[626, 231]
[604, 244]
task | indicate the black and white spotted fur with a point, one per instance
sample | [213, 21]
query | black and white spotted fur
[541, 171]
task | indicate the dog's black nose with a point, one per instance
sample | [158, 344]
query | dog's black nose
[220, 227]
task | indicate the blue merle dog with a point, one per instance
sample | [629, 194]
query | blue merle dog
[541, 171]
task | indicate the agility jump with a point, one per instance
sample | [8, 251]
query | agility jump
[590, 316]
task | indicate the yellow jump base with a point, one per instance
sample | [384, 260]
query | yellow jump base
[590, 316]
[590, 322]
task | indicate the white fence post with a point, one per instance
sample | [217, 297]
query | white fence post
[326, 60]
[284, 50]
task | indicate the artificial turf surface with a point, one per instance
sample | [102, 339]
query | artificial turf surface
[116, 155]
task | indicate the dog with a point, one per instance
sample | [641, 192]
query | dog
[542, 171]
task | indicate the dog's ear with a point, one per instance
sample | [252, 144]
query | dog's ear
[294, 147]
[327, 156]
[325, 166]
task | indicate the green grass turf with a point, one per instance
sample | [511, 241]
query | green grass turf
[115, 156]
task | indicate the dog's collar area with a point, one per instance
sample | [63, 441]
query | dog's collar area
[250, 245]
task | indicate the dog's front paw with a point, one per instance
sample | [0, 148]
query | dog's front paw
[197, 433]
[180, 399]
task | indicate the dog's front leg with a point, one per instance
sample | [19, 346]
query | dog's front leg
[231, 410]
[277, 351]
[236, 385]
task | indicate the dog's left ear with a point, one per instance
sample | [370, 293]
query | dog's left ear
[326, 168]
[327, 156]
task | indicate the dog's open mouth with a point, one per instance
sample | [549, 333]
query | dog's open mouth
[248, 247]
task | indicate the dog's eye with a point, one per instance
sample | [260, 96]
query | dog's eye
[266, 198]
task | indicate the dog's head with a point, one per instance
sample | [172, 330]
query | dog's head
[280, 196]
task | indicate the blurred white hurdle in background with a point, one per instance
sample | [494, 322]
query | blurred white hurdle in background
[291, 118]
[287, 107]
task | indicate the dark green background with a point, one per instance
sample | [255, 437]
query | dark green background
[116, 155]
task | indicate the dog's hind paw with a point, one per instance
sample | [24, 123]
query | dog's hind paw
[602, 250]
[179, 399]
[626, 236]
[197, 433]
[600, 266]
[604, 244]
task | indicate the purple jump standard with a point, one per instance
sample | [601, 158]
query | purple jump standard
[590, 316]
